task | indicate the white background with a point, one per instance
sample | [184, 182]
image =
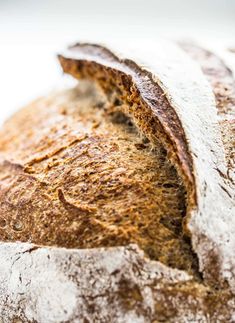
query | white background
[31, 32]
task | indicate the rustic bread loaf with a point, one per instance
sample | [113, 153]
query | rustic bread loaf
[130, 157]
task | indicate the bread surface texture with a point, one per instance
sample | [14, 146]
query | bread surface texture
[122, 190]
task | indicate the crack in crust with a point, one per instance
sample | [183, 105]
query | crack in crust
[134, 286]
[109, 187]
[144, 100]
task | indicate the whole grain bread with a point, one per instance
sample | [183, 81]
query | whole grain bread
[117, 196]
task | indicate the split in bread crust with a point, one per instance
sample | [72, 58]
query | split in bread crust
[124, 161]
[90, 180]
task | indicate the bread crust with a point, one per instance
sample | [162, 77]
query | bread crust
[209, 201]
[120, 284]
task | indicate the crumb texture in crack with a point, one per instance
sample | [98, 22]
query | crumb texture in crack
[90, 179]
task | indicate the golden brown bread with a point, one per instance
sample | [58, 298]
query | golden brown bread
[89, 179]
[112, 162]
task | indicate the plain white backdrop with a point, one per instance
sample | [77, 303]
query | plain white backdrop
[32, 32]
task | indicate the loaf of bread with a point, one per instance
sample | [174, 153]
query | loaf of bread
[117, 197]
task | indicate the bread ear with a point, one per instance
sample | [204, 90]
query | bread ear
[172, 100]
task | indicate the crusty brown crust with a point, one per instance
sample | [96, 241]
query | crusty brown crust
[97, 63]
[129, 287]
[77, 174]
[140, 94]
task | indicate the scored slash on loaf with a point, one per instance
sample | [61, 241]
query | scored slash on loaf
[125, 187]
